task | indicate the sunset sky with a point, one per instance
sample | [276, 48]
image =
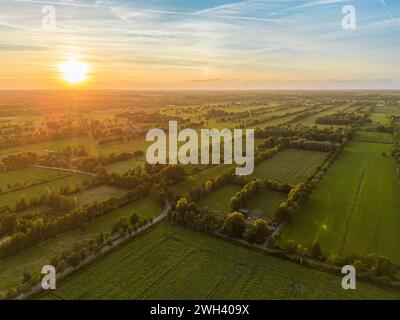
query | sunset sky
[203, 44]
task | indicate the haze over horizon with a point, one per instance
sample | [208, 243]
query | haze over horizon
[211, 44]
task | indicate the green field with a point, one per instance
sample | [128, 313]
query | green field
[290, 165]
[28, 176]
[100, 193]
[371, 136]
[176, 263]
[219, 200]
[265, 204]
[11, 197]
[379, 119]
[355, 208]
[32, 259]
[89, 142]
[123, 166]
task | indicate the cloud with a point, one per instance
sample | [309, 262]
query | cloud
[322, 2]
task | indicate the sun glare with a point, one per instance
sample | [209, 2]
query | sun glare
[74, 72]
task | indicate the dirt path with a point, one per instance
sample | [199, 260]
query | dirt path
[64, 170]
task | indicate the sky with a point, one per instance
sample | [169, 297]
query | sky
[202, 44]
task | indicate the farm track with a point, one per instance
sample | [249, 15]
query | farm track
[223, 279]
[64, 170]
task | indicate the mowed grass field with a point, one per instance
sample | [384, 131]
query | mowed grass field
[171, 262]
[219, 200]
[371, 136]
[290, 165]
[10, 198]
[265, 204]
[33, 259]
[355, 208]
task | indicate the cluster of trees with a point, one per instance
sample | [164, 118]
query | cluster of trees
[157, 175]
[333, 134]
[129, 224]
[291, 206]
[68, 151]
[109, 140]
[50, 198]
[272, 141]
[298, 143]
[91, 164]
[17, 161]
[61, 200]
[276, 186]
[30, 134]
[242, 197]
[29, 231]
[8, 222]
[235, 226]
[260, 120]
[189, 214]
[214, 183]
[303, 115]
[343, 118]
[324, 146]
[372, 266]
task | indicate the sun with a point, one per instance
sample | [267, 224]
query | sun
[74, 72]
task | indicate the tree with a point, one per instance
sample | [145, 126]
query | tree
[234, 224]
[291, 246]
[26, 277]
[173, 174]
[258, 232]
[316, 249]
[134, 218]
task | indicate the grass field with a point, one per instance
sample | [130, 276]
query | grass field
[219, 199]
[100, 193]
[379, 119]
[32, 259]
[370, 136]
[123, 166]
[290, 165]
[27, 176]
[389, 109]
[265, 204]
[176, 263]
[355, 208]
[89, 142]
[11, 197]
